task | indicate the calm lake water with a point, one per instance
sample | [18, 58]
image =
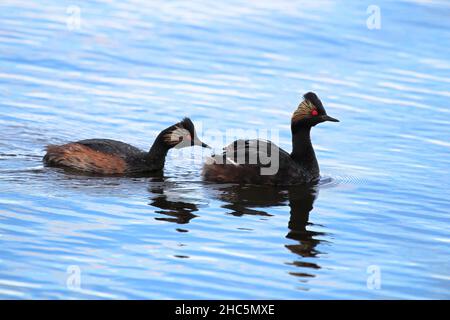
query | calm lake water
[376, 227]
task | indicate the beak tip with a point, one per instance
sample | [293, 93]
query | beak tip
[328, 118]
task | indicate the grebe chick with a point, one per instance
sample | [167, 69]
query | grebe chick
[262, 162]
[109, 157]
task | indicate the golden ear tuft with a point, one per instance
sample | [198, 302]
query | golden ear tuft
[304, 109]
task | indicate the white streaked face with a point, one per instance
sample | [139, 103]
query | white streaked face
[178, 138]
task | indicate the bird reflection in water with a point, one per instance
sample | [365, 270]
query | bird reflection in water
[301, 202]
[251, 200]
[176, 211]
[244, 199]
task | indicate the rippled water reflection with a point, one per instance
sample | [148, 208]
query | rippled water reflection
[135, 67]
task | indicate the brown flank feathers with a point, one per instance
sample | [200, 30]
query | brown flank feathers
[80, 157]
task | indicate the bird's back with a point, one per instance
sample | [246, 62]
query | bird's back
[100, 156]
[254, 162]
[113, 147]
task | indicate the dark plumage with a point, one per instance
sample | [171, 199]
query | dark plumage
[104, 156]
[251, 161]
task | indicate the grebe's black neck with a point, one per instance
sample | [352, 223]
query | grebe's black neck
[156, 157]
[303, 151]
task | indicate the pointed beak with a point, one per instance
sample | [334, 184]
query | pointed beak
[328, 118]
[197, 142]
[204, 145]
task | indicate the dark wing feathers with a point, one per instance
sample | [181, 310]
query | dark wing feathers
[231, 166]
[117, 148]
[256, 152]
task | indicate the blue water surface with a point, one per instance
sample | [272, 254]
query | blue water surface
[376, 227]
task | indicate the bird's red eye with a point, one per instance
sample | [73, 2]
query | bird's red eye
[314, 112]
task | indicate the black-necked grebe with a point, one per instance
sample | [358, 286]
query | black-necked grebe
[104, 156]
[299, 167]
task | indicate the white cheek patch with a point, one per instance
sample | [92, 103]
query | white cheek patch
[178, 135]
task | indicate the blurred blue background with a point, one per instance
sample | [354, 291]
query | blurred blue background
[379, 227]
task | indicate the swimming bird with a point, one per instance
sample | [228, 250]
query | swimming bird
[262, 162]
[109, 157]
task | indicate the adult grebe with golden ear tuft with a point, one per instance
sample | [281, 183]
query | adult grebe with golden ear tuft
[108, 157]
[298, 167]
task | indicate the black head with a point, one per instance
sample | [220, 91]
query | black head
[310, 112]
[182, 135]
